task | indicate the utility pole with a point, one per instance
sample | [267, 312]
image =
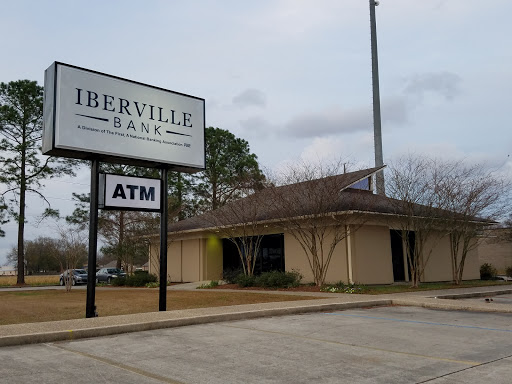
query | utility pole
[377, 131]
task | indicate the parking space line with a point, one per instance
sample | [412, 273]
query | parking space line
[464, 369]
[117, 365]
[421, 322]
[465, 362]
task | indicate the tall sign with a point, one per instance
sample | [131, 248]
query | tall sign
[98, 117]
[87, 114]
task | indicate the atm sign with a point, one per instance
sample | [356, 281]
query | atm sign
[131, 193]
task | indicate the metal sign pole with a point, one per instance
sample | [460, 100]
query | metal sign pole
[163, 241]
[93, 241]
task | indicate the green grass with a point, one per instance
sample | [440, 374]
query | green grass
[402, 288]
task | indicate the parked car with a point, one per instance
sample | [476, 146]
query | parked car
[108, 274]
[79, 276]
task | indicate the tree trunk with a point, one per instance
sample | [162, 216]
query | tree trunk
[21, 218]
[214, 195]
[21, 250]
[179, 191]
[120, 255]
[454, 249]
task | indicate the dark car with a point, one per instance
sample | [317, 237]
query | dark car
[108, 274]
[78, 276]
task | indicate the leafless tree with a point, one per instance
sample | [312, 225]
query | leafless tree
[72, 244]
[313, 205]
[473, 198]
[435, 198]
[410, 182]
[240, 223]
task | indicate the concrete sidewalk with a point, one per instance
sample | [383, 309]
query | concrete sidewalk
[29, 333]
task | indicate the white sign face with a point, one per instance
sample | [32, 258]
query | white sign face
[126, 192]
[88, 113]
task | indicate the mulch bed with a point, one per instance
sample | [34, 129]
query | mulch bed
[301, 288]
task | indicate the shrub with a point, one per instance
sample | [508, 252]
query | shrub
[488, 272]
[119, 282]
[231, 275]
[245, 281]
[272, 279]
[135, 280]
[277, 279]
[508, 271]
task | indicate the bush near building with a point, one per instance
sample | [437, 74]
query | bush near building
[138, 279]
[488, 272]
[272, 279]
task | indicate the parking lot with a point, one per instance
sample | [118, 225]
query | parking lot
[374, 345]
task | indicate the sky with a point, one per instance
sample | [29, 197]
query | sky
[292, 77]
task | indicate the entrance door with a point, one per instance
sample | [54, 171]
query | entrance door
[397, 254]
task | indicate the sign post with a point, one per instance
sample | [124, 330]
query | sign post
[94, 116]
[90, 310]
[162, 304]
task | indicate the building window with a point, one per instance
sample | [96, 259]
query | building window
[269, 258]
[364, 184]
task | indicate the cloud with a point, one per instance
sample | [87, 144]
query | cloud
[296, 20]
[446, 84]
[338, 121]
[355, 153]
[250, 97]
[330, 122]
[394, 110]
[256, 126]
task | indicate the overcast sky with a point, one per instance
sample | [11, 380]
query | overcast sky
[292, 77]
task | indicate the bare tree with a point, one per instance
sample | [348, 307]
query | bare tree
[72, 245]
[411, 183]
[240, 223]
[473, 198]
[314, 205]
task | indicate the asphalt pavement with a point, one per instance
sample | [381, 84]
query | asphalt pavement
[370, 345]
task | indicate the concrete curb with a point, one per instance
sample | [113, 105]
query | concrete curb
[66, 335]
[436, 303]
[475, 294]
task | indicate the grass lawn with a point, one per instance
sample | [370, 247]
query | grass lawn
[33, 280]
[51, 305]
